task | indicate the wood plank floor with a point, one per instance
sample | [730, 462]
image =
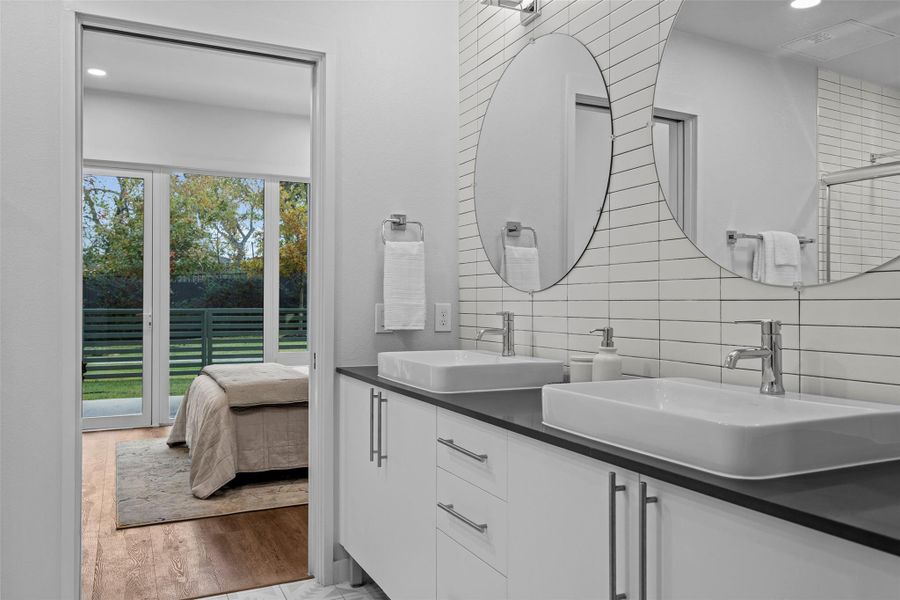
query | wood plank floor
[189, 559]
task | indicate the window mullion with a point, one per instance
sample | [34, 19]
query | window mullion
[270, 269]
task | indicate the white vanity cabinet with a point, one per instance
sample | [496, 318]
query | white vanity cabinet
[463, 510]
[387, 517]
[692, 547]
[701, 548]
[561, 510]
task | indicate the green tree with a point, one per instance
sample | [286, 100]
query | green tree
[216, 224]
[113, 226]
[294, 227]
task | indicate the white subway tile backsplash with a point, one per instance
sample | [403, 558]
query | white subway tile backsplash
[850, 340]
[786, 311]
[671, 307]
[630, 253]
[640, 367]
[690, 331]
[690, 310]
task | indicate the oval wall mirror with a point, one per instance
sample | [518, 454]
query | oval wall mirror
[777, 135]
[543, 161]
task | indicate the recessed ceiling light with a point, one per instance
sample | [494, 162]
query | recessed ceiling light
[100, 72]
[805, 3]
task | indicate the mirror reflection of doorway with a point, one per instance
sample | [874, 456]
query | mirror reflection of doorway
[195, 223]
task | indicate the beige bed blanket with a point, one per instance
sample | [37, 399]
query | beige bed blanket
[224, 441]
[261, 384]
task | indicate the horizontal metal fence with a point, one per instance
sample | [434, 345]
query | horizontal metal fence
[113, 339]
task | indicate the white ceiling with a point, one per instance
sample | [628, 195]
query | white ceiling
[179, 72]
[765, 25]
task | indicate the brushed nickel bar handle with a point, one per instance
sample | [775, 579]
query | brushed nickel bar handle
[448, 508]
[449, 443]
[381, 456]
[371, 424]
[613, 489]
[642, 541]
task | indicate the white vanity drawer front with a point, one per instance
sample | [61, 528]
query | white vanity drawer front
[472, 450]
[472, 517]
[463, 576]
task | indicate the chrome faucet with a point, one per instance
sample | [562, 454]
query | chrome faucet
[507, 332]
[769, 351]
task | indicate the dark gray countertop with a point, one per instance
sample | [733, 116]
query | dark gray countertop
[860, 504]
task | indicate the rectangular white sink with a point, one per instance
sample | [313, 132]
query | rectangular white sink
[455, 371]
[727, 430]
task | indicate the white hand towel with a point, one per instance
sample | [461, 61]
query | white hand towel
[777, 246]
[522, 266]
[404, 285]
[787, 247]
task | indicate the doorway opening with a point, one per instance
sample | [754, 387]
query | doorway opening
[195, 227]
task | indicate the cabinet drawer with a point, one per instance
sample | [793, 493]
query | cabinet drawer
[463, 576]
[473, 451]
[472, 517]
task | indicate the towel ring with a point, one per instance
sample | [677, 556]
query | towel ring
[399, 222]
[514, 229]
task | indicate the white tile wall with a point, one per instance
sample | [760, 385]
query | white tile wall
[671, 307]
[856, 119]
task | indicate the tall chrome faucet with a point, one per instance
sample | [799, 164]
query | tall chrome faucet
[507, 332]
[769, 351]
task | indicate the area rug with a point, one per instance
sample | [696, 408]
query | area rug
[152, 486]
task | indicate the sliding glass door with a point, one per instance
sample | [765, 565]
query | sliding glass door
[117, 296]
[216, 275]
[179, 274]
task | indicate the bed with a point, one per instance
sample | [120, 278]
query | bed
[225, 440]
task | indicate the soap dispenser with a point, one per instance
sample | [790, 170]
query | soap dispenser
[607, 363]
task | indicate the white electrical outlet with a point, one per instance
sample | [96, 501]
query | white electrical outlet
[442, 317]
[379, 319]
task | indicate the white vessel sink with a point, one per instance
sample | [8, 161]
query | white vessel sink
[728, 430]
[454, 371]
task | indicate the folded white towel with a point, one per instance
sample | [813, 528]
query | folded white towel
[404, 285]
[787, 247]
[777, 259]
[522, 267]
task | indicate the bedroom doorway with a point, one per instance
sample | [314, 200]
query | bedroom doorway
[196, 229]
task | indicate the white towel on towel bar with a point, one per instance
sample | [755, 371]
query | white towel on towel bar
[777, 258]
[522, 266]
[404, 285]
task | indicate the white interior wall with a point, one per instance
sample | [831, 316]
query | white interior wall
[395, 150]
[756, 143]
[160, 131]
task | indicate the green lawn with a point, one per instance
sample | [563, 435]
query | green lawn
[98, 389]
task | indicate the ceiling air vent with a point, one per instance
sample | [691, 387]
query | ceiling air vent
[838, 40]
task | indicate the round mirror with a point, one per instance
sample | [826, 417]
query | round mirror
[777, 135]
[543, 162]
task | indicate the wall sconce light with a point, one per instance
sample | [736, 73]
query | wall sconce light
[528, 10]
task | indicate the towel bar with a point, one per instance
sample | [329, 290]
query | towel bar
[732, 236]
[399, 222]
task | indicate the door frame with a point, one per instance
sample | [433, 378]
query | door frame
[145, 418]
[325, 562]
